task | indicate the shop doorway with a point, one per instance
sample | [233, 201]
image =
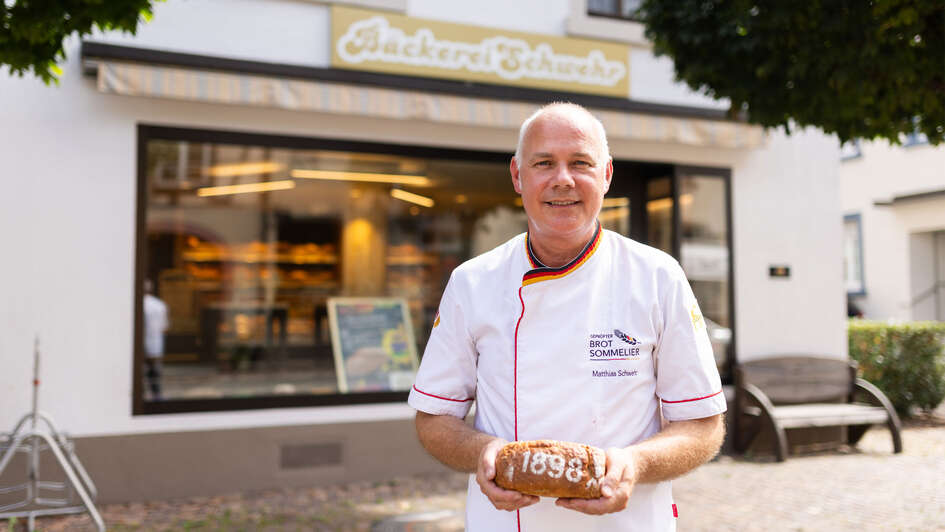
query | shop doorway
[927, 269]
[686, 212]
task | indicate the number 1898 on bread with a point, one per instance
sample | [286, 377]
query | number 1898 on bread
[550, 468]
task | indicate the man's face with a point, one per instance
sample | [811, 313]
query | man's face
[563, 175]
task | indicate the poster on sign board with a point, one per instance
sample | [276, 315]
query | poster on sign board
[373, 344]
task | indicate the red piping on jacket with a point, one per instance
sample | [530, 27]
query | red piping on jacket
[515, 364]
[438, 397]
[695, 399]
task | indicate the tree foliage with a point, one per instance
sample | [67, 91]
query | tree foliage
[32, 31]
[857, 68]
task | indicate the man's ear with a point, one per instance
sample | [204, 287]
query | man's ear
[608, 174]
[516, 176]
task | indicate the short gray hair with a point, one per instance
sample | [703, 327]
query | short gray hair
[596, 124]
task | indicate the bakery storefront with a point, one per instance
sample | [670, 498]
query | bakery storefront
[295, 181]
[303, 271]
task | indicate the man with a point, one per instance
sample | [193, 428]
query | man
[571, 333]
[155, 324]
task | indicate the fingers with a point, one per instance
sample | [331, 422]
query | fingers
[487, 458]
[605, 504]
[600, 506]
[617, 462]
[616, 487]
[502, 499]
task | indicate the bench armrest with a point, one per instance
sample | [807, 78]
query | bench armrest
[758, 398]
[874, 396]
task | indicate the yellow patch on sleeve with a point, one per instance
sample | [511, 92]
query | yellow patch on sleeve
[697, 322]
[436, 321]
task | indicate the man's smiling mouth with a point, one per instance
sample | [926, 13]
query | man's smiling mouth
[562, 203]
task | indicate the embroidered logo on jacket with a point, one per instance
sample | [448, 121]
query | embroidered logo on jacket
[602, 346]
[626, 338]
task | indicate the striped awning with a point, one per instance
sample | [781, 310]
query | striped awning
[138, 79]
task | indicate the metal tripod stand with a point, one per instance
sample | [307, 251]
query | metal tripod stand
[32, 441]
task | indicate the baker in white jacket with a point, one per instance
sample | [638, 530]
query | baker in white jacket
[575, 333]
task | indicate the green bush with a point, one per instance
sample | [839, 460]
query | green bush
[905, 360]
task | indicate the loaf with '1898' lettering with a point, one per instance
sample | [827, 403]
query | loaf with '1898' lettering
[551, 468]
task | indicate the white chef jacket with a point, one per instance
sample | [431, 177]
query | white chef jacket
[570, 354]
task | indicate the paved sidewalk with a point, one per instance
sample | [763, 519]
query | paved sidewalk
[857, 490]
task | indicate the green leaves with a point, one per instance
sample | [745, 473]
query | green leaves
[857, 69]
[906, 361]
[32, 32]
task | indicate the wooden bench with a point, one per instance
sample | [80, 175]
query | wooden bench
[778, 394]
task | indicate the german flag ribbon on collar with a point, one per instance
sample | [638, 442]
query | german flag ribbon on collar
[538, 273]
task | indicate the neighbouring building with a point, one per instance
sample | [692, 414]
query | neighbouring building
[894, 228]
[296, 179]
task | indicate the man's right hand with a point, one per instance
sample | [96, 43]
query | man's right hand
[502, 499]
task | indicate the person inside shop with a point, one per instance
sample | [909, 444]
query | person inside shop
[155, 325]
[574, 333]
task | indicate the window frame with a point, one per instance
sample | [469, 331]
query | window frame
[856, 150]
[857, 218]
[725, 174]
[148, 132]
[916, 138]
[618, 15]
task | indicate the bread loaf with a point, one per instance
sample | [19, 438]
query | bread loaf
[550, 468]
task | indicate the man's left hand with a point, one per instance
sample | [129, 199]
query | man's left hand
[616, 486]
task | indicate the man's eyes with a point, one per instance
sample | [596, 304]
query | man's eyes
[573, 163]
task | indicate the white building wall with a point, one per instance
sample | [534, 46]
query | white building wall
[275, 31]
[67, 225]
[785, 200]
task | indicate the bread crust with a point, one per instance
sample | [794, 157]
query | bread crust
[551, 468]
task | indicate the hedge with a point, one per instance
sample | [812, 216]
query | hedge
[905, 360]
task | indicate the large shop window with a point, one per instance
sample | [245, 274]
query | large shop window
[301, 275]
[285, 271]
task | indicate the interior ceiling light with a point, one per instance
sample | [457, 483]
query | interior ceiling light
[332, 175]
[403, 195]
[666, 203]
[614, 214]
[246, 188]
[615, 202]
[232, 170]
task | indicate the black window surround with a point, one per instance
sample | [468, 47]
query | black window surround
[146, 133]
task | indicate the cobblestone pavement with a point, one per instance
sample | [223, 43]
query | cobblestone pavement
[863, 489]
[866, 489]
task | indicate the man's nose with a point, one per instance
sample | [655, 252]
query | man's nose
[562, 176]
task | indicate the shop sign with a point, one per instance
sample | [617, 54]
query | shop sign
[395, 44]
